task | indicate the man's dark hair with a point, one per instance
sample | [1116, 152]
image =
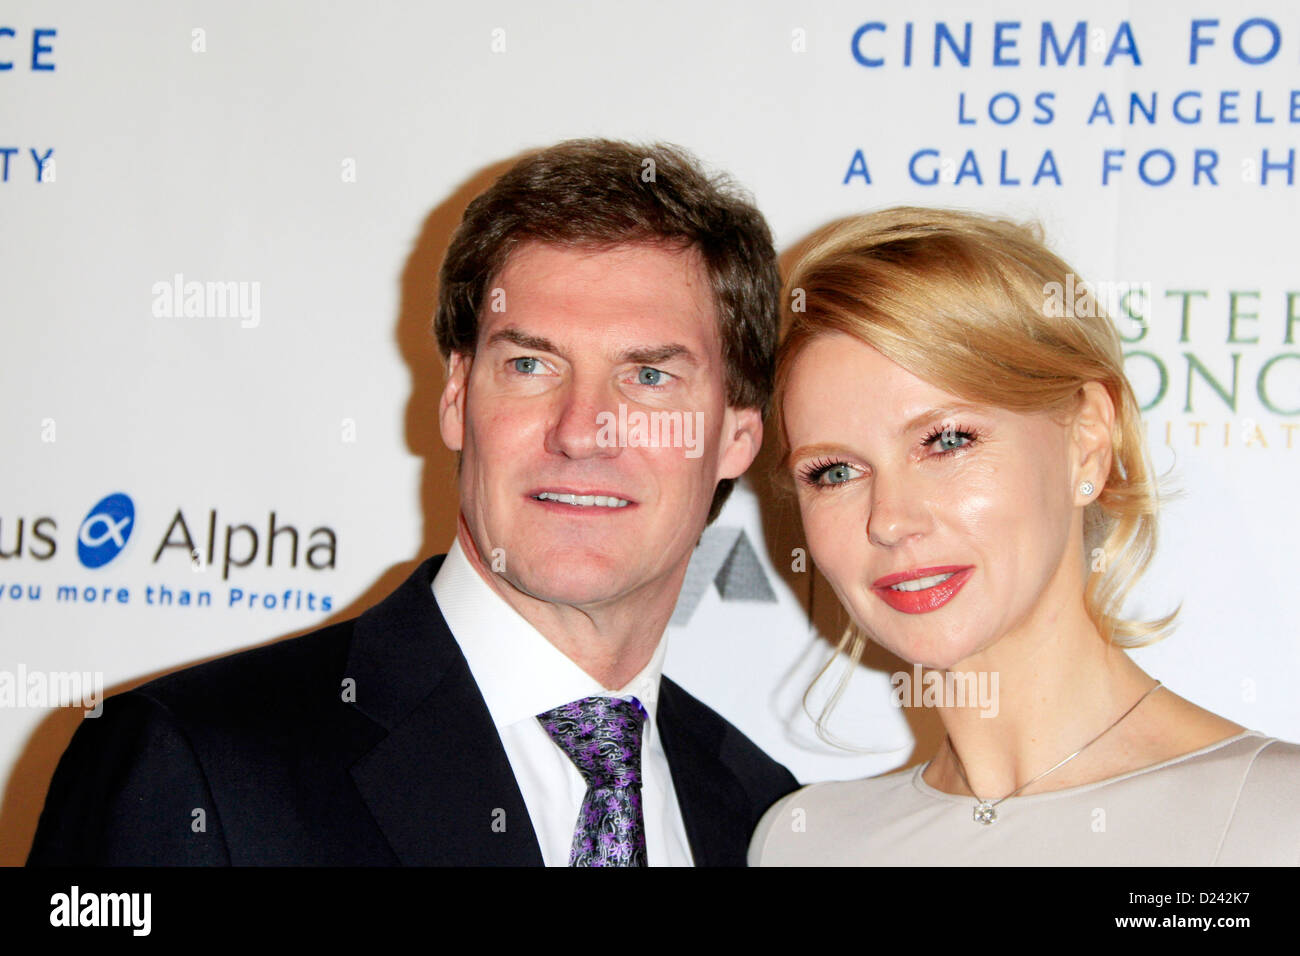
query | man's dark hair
[598, 193]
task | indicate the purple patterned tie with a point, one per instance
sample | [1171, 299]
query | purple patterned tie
[602, 736]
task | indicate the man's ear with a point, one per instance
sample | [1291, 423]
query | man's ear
[742, 437]
[451, 407]
[1091, 448]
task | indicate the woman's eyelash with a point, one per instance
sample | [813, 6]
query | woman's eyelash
[812, 472]
[971, 435]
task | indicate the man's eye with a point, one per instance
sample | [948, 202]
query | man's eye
[527, 366]
[649, 376]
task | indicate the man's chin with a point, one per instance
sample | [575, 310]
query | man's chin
[577, 576]
[584, 589]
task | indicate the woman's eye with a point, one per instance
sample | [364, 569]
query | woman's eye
[527, 366]
[836, 475]
[649, 376]
[828, 474]
[951, 439]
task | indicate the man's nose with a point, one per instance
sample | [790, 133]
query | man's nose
[586, 422]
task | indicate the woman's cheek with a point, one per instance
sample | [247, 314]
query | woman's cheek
[827, 540]
[983, 497]
[980, 512]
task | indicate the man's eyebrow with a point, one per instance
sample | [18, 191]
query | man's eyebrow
[656, 354]
[534, 343]
[646, 355]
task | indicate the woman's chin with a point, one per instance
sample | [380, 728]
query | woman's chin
[957, 654]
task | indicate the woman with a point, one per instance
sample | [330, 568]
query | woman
[971, 472]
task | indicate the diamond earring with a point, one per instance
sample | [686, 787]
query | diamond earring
[1085, 489]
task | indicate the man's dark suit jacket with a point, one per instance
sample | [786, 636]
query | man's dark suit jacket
[286, 771]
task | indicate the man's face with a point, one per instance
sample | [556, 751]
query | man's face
[564, 496]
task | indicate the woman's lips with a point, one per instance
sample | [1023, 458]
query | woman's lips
[929, 599]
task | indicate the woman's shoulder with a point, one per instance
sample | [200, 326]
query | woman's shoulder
[1274, 768]
[1246, 758]
[786, 822]
[1255, 757]
[1264, 827]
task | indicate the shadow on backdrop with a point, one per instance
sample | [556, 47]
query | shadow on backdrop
[24, 792]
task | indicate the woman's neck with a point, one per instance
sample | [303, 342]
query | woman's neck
[1055, 694]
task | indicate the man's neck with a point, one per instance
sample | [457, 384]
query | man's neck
[613, 642]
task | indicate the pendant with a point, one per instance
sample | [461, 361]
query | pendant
[984, 813]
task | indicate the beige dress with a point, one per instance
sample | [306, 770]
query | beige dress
[1234, 803]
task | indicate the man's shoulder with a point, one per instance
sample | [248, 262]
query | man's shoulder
[284, 672]
[251, 740]
[289, 678]
[262, 699]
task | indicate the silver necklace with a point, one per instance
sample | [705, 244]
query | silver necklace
[984, 809]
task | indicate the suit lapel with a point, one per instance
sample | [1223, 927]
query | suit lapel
[710, 797]
[439, 784]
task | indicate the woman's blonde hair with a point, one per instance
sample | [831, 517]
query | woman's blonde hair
[981, 308]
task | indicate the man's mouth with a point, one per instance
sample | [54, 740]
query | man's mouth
[583, 501]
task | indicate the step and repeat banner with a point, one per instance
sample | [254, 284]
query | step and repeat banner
[220, 227]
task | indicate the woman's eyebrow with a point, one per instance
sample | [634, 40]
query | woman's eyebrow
[939, 411]
[822, 450]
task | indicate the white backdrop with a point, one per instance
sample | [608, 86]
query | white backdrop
[318, 156]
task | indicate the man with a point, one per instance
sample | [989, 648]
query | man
[505, 705]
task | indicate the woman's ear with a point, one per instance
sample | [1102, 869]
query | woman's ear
[1091, 444]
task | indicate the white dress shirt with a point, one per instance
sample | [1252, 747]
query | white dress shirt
[521, 674]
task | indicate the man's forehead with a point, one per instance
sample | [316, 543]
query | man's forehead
[575, 256]
[657, 293]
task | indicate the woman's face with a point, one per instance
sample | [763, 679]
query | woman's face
[942, 526]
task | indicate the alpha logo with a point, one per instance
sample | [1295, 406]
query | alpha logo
[105, 531]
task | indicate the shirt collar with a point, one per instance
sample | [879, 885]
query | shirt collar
[518, 671]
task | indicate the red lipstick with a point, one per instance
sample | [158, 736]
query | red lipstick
[929, 599]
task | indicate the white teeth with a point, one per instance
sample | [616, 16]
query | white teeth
[599, 501]
[920, 584]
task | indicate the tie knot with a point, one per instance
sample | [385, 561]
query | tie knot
[602, 736]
